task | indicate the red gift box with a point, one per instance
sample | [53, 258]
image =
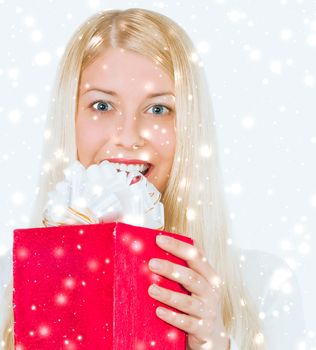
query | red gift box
[86, 287]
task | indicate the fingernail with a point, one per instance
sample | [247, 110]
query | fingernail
[161, 312]
[162, 239]
[154, 290]
[155, 264]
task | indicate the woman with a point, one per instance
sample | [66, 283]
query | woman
[133, 54]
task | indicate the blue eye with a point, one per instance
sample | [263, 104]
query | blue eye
[103, 106]
[159, 108]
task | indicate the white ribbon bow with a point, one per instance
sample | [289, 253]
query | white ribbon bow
[102, 194]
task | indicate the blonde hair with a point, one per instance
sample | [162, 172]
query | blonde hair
[194, 201]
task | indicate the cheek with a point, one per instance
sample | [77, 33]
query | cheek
[84, 134]
[89, 138]
[165, 140]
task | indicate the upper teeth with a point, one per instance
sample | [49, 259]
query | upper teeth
[131, 167]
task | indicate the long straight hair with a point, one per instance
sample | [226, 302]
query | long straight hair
[194, 200]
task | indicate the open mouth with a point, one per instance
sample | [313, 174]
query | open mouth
[145, 172]
[131, 165]
[137, 178]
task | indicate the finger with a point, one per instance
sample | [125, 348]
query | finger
[187, 323]
[183, 302]
[195, 258]
[191, 280]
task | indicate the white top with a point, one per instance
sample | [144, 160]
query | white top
[271, 283]
[276, 292]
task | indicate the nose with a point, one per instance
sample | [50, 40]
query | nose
[128, 132]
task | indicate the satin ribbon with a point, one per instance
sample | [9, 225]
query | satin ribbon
[102, 194]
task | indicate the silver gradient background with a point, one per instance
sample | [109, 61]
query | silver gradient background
[260, 60]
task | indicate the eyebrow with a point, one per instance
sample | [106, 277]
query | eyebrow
[113, 93]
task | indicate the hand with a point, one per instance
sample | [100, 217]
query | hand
[203, 319]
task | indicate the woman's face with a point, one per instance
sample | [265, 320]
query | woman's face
[126, 111]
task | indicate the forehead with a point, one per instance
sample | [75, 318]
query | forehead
[117, 68]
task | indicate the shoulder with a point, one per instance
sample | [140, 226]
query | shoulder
[263, 268]
[274, 287]
[267, 273]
